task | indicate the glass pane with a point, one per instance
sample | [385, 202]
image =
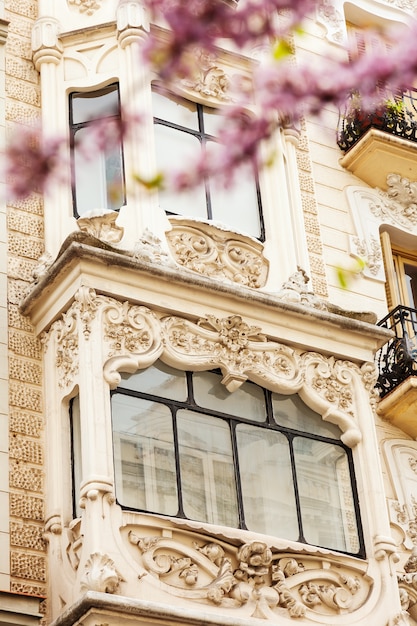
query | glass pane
[291, 411]
[98, 177]
[144, 455]
[411, 282]
[267, 483]
[94, 105]
[175, 110]
[159, 380]
[326, 498]
[213, 121]
[236, 205]
[174, 149]
[247, 402]
[207, 471]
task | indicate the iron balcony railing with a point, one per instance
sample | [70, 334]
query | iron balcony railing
[395, 114]
[397, 359]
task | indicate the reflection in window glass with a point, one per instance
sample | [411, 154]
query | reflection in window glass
[184, 446]
[182, 130]
[98, 175]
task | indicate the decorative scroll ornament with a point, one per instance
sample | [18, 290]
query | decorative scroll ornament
[101, 223]
[214, 252]
[407, 583]
[368, 251]
[149, 249]
[398, 204]
[65, 333]
[252, 575]
[208, 78]
[333, 20]
[296, 290]
[100, 574]
[86, 6]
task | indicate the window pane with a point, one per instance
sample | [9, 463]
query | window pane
[158, 380]
[236, 205]
[175, 149]
[144, 455]
[291, 411]
[207, 471]
[95, 105]
[248, 401]
[326, 499]
[175, 110]
[98, 177]
[267, 483]
[212, 121]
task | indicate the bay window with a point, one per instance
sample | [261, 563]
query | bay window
[186, 447]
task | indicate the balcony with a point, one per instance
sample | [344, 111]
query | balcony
[397, 365]
[380, 142]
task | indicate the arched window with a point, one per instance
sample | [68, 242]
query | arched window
[185, 447]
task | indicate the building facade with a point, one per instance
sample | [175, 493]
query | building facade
[198, 429]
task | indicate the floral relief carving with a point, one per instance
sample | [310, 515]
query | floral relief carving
[398, 204]
[209, 79]
[252, 576]
[370, 251]
[65, 331]
[101, 224]
[86, 6]
[213, 252]
[332, 19]
[100, 574]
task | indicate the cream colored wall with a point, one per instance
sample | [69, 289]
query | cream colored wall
[25, 244]
[4, 393]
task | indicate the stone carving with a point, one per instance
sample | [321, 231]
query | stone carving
[369, 251]
[86, 6]
[252, 575]
[101, 223]
[209, 79]
[100, 574]
[332, 19]
[296, 290]
[66, 348]
[44, 263]
[149, 249]
[407, 584]
[211, 251]
[406, 517]
[398, 204]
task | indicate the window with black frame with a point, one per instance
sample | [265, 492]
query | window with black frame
[186, 447]
[182, 130]
[98, 180]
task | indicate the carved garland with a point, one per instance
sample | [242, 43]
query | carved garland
[253, 576]
[135, 337]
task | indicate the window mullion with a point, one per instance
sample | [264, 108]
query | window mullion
[239, 496]
[177, 463]
[301, 537]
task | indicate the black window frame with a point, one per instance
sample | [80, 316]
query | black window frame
[75, 127]
[269, 424]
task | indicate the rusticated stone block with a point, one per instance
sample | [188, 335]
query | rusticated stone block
[319, 286]
[312, 225]
[314, 244]
[24, 92]
[21, 269]
[25, 246]
[17, 320]
[22, 222]
[25, 345]
[17, 290]
[309, 203]
[18, 47]
[31, 204]
[27, 589]
[27, 536]
[25, 397]
[306, 182]
[25, 423]
[26, 507]
[23, 477]
[27, 8]
[25, 371]
[303, 161]
[21, 69]
[21, 27]
[317, 265]
[25, 113]
[24, 565]
[26, 450]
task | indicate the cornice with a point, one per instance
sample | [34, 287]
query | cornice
[85, 261]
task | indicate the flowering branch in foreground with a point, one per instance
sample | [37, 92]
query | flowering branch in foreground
[282, 88]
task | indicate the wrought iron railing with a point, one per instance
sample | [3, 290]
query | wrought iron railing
[395, 114]
[397, 359]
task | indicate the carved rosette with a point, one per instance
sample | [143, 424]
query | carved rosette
[213, 252]
[87, 7]
[253, 576]
[207, 77]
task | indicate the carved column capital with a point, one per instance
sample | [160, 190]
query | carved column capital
[46, 45]
[132, 22]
